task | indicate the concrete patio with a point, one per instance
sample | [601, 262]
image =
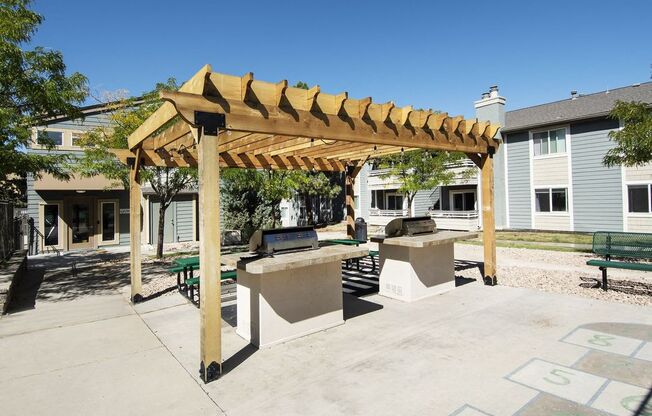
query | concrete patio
[476, 350]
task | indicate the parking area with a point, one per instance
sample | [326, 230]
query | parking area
[476, 350]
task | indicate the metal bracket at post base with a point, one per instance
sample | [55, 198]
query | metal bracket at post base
[212, 373]
[490, 280]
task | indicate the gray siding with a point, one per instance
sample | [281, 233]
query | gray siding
[518, 180]
[500, 210]
[184, 218]
[90, 122]
[597, 190]
[425, 200]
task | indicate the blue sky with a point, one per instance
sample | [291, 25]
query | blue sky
[439, 55]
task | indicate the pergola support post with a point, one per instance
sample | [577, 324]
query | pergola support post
[350, 206]
[209, 258]
[488, 219]
[350, 173]
[135, 195]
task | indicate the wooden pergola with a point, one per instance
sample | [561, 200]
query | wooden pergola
[245, 123]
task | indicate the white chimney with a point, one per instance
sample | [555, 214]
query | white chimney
[573, 95]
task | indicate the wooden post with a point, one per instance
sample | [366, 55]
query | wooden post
[209, 259]
[488, 220]
[350, 203]
[135, 194]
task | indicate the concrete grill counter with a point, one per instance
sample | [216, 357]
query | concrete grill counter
[415, 267]
[290, 295]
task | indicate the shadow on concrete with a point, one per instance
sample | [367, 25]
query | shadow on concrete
[230, 315]
[26, 291]
[461, 280]
[89, 272]
[354, 306]
[645, 408]
[238, 358]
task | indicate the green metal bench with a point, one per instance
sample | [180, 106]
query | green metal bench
[352, 242]
[636, 246]
[190, 284]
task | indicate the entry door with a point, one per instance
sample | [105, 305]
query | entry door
[82, 230]
[169, 230]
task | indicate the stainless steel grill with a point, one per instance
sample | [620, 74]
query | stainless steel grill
[410, 226]
[283, 240]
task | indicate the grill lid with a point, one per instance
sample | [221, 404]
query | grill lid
[283, 239]
[410, 226]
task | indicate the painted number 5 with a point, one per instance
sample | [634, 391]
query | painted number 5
[560, 378]
[601, 340]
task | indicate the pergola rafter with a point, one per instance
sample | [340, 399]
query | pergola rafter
[217, 120]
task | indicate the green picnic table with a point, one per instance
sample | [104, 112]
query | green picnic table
[352, 242]
[187, 266]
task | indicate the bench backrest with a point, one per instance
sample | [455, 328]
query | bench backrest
[618, 244]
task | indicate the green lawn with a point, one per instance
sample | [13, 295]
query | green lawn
[544, 237]
[539, 240]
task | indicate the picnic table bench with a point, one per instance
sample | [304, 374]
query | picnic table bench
[373, 254]
[635, 246]
[190, 284]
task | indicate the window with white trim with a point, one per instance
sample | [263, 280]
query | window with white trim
[639, 198]
[393, 201]
[551, 200]
[549, 142]
[50, 137]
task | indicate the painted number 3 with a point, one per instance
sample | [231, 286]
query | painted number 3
[601, 340]
[559, 377]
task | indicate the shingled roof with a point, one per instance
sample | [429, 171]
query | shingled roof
[582, 107]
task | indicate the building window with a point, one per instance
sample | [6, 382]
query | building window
[109, 225]
[356, 202]
[394, 201]
[463, 201]
[51, 225]
[50, 137]
[549, 142]
[551, 200]
[639, 198]
[75, 139]
[378, 199]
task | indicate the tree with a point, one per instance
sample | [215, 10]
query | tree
[244, 207]
[276, 186]
[418, 170]
[125, 115]
[311, 185]
[33, 87]
[634, 140]
[314, 184]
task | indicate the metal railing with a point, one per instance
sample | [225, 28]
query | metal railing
[388, 212]
[35, 238]
[10, 232]
[453, 214]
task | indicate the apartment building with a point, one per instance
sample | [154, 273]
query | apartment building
[548, 172]
[93, 212]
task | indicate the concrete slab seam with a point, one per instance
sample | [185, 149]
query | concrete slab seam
[522, 408]
[468, 406]
[64, 326]
[177, 360]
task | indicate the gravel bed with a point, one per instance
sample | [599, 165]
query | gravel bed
[558, 272]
